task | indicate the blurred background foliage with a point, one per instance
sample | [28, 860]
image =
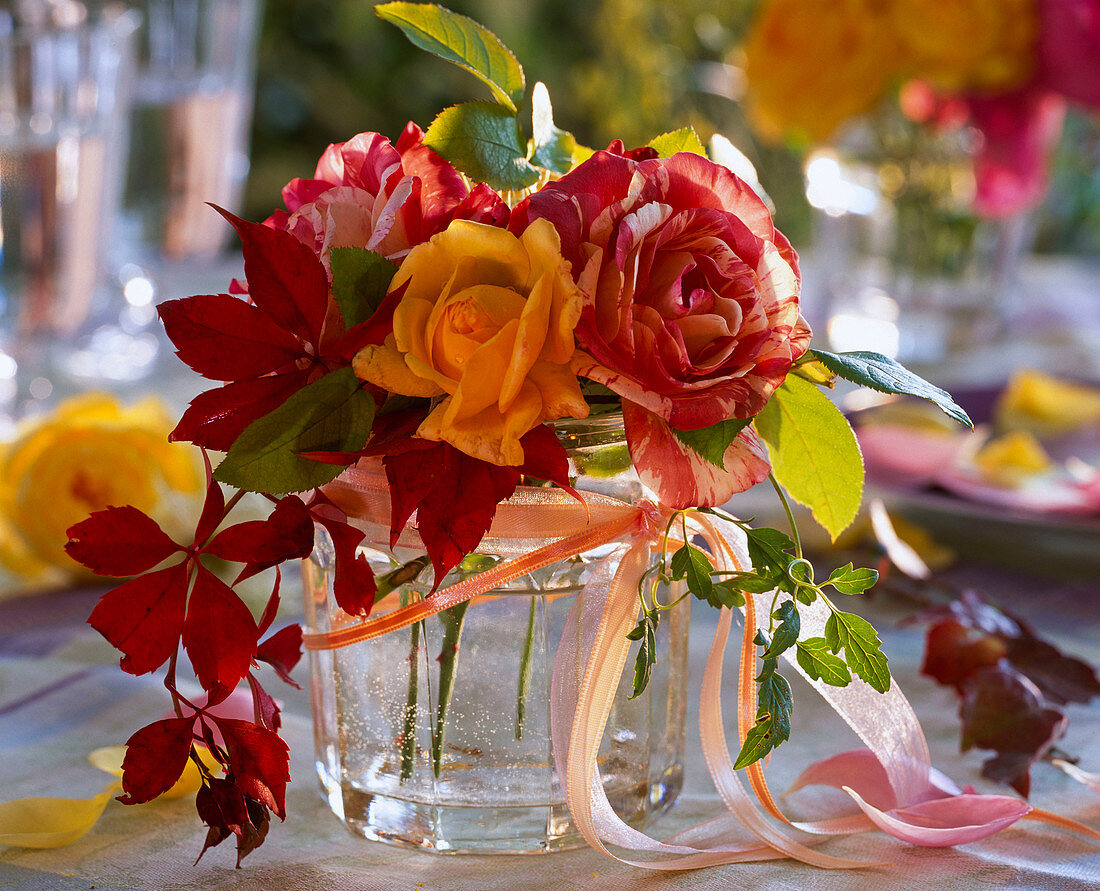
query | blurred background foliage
[626, 69]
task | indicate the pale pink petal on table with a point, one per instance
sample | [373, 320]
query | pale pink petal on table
[902, 454]
[1092, 780]
[944, 822]
[861, 770]
[1043, 495]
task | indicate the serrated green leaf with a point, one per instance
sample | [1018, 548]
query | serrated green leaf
[862, 648]
[767, 551]
[332, 414]
[482, 140]
[816, 660]
[749, 581]
[464, 42]
[645, 632]
[815, 372]
[848, 580]
[683, 140]
[691, 563]
[758, 742]
[786, 632]
[710, 443]
[551, 148]
[360, 279]
[882, 373]
[776, 703]
[814, 453]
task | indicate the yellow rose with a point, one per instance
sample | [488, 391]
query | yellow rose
[91, 452]
[487, 322]
[968, 44]
[812, 64]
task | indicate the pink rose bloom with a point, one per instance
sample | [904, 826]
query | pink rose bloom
[691, 308]
[368, 193]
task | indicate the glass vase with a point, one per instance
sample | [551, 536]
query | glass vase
[907, 267]
[438, 736]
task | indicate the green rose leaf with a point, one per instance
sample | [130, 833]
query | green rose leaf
[691, 563]
[464, 42]
[887, 376]
[333, 414]
[360, 279]
[767, 551]
[816, 660]
[848, 580]
[814, 453]
[551, 148]
[710, 443]
[776, 705]
[683, 140]
[862, 648]
[758, 742]
[482, 140]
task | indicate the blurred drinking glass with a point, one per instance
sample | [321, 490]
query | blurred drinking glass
[65, 76]
[189, 134]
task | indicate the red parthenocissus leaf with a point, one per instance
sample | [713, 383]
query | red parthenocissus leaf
[217, 417]
[353, 583]
[119, 541]
[282, 651]
[155, 758]
[144, 617]
[287, 534]
[219, 633]
[259, 760]
[265, 707]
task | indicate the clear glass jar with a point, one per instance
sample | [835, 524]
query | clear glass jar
[454, 754]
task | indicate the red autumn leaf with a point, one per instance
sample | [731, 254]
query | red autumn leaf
[219, 633]
[282, 651]
[226, 339]
[412, 476]
[286, 534]
[1062, 678]
[259, 760]
[373, 330]
[155, 758]
[267, 709]
[119, 541]
[217, 417]
[255, 831]
[221, 804]
[953, 652]
[545, 458]
[353, 583]
[272, 607]
[285, 278]
[1005, 712]
[213, 506]
[144, 617]
[455, 515]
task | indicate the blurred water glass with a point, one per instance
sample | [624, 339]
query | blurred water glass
[65, 76]
[189, 134]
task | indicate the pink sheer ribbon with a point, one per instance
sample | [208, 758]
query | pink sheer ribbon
[591, 657]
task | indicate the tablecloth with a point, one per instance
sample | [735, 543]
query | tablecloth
[62, 695]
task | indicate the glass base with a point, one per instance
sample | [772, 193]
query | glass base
[468, 829]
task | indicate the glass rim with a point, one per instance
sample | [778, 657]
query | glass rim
[115, 21]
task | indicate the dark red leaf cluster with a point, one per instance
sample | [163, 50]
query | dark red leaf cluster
[183, 603]
[1013, 684]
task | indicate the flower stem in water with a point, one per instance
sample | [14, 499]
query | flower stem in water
[408, 732]
[448, 658]
[525, 671]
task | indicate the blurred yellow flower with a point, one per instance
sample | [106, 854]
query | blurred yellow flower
[487, 321]
[812, 64]
[968, 44]
[91, 452]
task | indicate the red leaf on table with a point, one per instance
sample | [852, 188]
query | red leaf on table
[144, 617]
[155, 758]
[119, 541]
[1004, 711]
[1062, 678]
[953, 652]
[217, 417]
[282, 651]
[219, 633]
[259, 760]
[226, 339]
[266, 708]
[286, 534]
[285, 278]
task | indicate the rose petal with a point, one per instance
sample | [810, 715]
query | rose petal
[944, 822]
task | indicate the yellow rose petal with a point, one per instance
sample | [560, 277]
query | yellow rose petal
[51, 822]
[384, 366]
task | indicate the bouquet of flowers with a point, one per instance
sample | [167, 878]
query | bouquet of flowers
[1008, 69]
[436, 305]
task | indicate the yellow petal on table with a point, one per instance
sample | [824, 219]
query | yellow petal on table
[1010, 459]
[51, 822]
[1046, 405]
